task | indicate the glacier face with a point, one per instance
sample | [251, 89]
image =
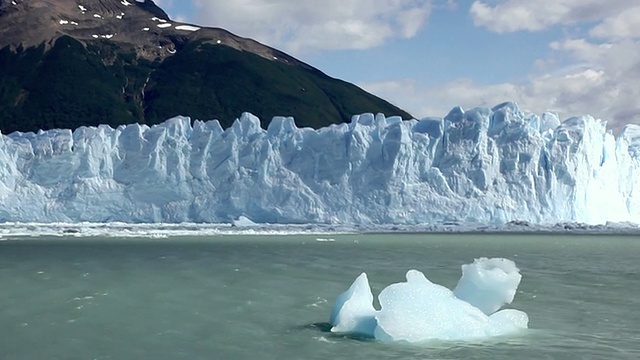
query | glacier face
[479, 166]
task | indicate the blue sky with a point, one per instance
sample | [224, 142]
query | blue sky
[426, 56]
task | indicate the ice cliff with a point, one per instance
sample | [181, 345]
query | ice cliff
[483, 165]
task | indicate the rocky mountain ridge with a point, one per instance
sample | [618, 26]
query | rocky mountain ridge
[140, 24]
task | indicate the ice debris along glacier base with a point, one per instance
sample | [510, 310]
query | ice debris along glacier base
[485, 165]
[418, 310]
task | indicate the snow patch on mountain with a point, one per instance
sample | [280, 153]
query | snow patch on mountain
[485, 165]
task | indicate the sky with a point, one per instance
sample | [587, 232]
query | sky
[570, 57]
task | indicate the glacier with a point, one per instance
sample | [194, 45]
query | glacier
[484, 165]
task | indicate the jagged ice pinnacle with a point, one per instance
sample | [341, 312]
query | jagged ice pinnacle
[483, 165]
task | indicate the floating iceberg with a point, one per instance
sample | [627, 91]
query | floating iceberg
[418, 310]
[485, 165]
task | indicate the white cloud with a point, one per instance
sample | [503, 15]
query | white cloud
[437, 101]
[311, 25]
[514, 15]
[616, 96]
[623, 25]
[604, 86]
[600, 78]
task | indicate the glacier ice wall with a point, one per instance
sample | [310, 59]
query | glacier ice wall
[483, 165]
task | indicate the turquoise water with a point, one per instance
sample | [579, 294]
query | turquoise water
[268, 297]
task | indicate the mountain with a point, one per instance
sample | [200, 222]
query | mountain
[67, 63]
[484, 165]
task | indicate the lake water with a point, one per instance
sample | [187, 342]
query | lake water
[268, 297]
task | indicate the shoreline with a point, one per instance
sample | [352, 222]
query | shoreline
[166, 230]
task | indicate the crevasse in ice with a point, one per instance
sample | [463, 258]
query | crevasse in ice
[479, 166]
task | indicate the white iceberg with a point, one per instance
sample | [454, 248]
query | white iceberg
[488, 284]
[418, 310]
[353, 311]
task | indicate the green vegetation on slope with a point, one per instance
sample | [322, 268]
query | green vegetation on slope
[71, 85]
[66, 87]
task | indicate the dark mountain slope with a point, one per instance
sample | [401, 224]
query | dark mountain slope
[70, 63]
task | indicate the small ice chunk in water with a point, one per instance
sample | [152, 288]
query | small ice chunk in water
[353, 311]
[244, 221]
[488, 284]
[419, 310]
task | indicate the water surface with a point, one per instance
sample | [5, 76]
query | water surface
[266, 297]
